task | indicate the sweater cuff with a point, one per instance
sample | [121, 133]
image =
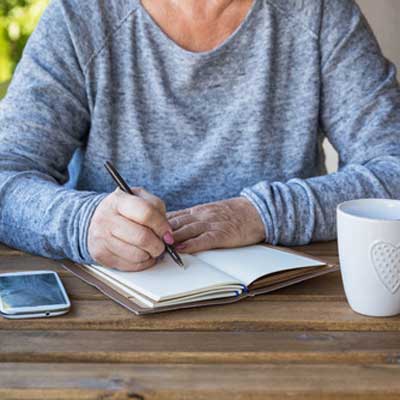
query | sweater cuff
[84, 219]
[263, 211]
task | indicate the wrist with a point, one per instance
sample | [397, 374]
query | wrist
[254, 220]
[253, 227]
[84, 219]
[263, 211]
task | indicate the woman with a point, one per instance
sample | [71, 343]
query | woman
[217, 108]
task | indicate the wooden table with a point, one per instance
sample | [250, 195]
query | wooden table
[302, 342]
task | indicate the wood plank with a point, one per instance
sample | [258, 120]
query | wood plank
[324, 288]
[244, 315]
[25, 262]
[327, 248]
[5, 250]
[76, 289]
[79, 290]
[200, 347]
[208, 381]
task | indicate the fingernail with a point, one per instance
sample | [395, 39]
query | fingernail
[168, 238]
[180, 246]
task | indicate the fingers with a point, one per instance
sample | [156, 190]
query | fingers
[113, 260]
[173, 214]
[151, 198]
[180, 220]
[136, 235]
[127, 251]
[204, 241]
[190, 231]
[129, 242]
[141, 211]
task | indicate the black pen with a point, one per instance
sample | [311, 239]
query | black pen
[124, 187]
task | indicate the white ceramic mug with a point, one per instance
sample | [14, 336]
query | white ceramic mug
[369, 251]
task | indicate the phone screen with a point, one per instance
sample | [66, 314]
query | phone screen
[30, 290]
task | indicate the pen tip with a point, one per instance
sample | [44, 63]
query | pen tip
[179, 261]
[175, 256]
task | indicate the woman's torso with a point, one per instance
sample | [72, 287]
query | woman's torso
[198, 127]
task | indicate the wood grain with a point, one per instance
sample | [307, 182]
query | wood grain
[24, 262]
[207, 381]
[5, 250]
[199, 347]
[319, 249]
[324, 288]
[244, 315]
[301, 342]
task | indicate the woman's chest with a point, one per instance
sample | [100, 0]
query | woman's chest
[198, 26]
[257, 89]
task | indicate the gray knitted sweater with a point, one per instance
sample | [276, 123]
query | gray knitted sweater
[100, 77]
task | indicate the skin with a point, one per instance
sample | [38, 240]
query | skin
[126, 231]
[222, 224]
[198, 25]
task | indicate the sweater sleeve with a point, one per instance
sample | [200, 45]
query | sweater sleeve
[360, 114]
[43, 119]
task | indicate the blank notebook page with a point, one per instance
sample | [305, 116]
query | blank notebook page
[167, 279]
[250, 263]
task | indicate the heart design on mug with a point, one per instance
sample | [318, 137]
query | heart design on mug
[385, 258]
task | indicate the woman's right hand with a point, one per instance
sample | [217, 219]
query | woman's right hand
[125, 231]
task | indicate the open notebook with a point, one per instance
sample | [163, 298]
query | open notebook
[211, 277]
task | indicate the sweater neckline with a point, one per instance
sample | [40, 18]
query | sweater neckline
[220, 47]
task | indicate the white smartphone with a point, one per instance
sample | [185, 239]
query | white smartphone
[32, 294]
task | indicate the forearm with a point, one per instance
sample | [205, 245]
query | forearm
[300, 211]
[40, 216]
[359, 113]
[44, 118]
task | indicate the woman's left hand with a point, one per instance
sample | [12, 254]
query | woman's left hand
[228, 223]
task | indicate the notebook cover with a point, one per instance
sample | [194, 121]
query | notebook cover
[81, 272]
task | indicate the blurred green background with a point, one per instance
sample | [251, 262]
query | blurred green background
[18, 19]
